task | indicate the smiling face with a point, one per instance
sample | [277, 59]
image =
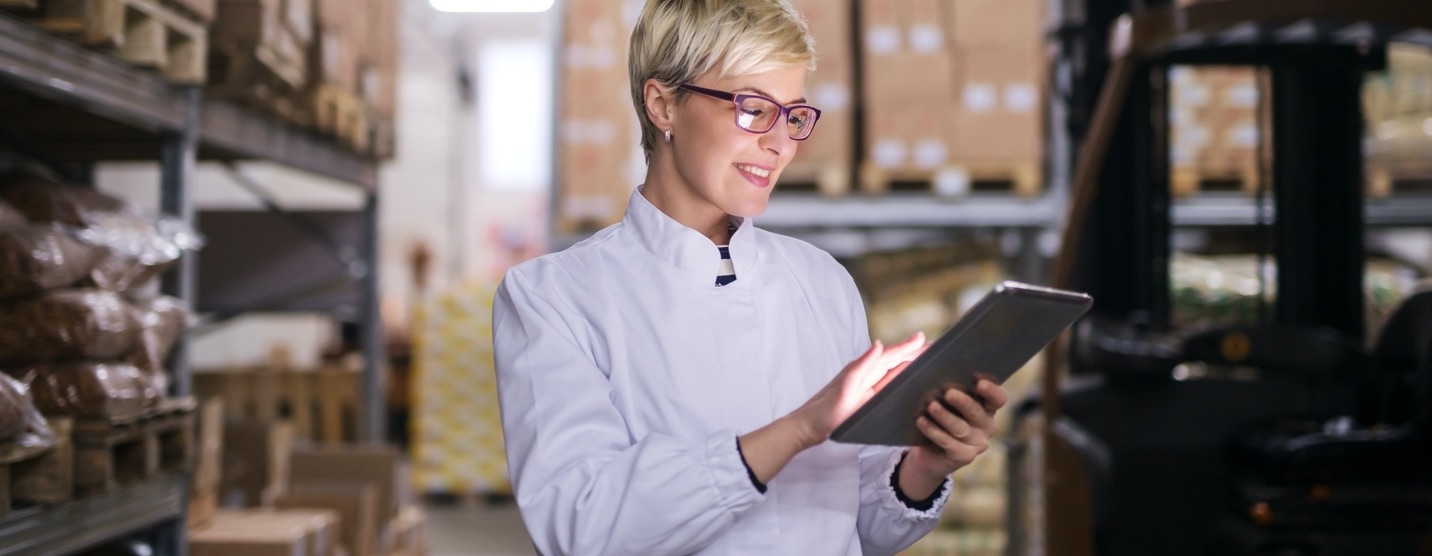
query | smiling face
[712, 168]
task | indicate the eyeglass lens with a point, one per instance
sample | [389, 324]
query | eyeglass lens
[759, 115]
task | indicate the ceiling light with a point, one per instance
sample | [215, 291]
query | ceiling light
[491, 6]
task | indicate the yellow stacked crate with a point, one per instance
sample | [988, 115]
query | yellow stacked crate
[457, 430]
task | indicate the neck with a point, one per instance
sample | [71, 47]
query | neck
[666, 190]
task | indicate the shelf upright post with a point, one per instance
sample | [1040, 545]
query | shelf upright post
[374, 377]
[178, 152]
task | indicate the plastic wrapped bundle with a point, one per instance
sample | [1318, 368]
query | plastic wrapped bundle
[136, 248]
[34, 259]
[116, 392]
[163, 321]
[64, 325]
[20, 423]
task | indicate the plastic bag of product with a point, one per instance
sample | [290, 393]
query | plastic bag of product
[163, 320]
[63, 325]
[20, 423]
[11, 218]
[116, 392]
[136, 247]
[36, 258]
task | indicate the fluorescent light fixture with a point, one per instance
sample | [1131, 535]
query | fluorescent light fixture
[492, 6]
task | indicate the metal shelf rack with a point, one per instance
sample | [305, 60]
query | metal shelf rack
[65, 104]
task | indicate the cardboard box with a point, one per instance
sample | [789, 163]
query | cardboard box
[406, 535]
[1006, 23]
[356, 505]
[256, 459]
[263, 532]
[298, 18]
[208, 465]
[999, 111]
[376, 466]
[247, 21]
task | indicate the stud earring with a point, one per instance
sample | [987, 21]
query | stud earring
[668, 136]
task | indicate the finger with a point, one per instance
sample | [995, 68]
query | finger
[889, 376]
[994, 396]
[968, 408]
[954, 425]
[954, 449]
[856, 372]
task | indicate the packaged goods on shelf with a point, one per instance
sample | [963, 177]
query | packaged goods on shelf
[38, 258]
[114, 392]
[21, 424]
[64, 325]
[162, 320]
[137, 248]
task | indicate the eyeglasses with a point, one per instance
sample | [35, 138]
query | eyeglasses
[758, 114]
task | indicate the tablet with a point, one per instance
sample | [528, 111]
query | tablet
[995, 337]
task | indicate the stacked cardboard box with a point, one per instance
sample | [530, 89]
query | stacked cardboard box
[952, 93]
[265, 533]
[824, 160]
[1215, 120]
[1397, 105]
[258, 53]
[598, 135]
[998, 120]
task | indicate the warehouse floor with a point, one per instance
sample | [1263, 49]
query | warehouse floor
[477, 530]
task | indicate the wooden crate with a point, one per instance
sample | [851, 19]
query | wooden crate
[108, 454]
[322, 405]
[144, 33]
[38, 475]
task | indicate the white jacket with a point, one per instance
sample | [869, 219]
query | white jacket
[625, 376]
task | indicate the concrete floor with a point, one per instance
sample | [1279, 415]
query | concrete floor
[477, 529]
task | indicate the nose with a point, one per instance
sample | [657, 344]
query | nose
[778, 141]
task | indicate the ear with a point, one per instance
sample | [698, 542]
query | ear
[660, 104]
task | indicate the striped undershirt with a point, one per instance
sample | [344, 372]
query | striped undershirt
[726, 273]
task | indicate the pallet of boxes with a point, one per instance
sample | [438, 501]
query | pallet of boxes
[168, 36]
[327, 65]
[84, 339]
[280, 499]
[952, 96]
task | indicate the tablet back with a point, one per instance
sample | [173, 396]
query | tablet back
[994, 338]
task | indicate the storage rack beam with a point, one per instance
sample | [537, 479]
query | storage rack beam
[66, 73]
[89, 522]
[794, 211]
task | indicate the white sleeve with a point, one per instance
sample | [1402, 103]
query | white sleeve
[885, 524]
[583, 485]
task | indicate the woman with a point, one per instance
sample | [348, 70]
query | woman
[668, 386]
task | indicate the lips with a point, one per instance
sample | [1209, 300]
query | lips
[758, 175]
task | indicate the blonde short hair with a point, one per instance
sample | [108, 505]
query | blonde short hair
[675, 41]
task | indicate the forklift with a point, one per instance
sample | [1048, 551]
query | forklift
[1307, 435]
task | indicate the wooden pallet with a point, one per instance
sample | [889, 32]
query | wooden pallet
[110, 454]
[1187, 182]
[322, 405]
[1020, 179]
[258, 76]
[1382, 183]
[342, 114]
[144, 33]
[38, 475]
[828, 179]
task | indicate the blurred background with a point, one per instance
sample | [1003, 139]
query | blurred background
[248, 250]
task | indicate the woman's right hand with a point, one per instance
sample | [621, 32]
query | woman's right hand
[855, 385]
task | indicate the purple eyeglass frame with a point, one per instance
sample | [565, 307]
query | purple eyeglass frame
[737, 98]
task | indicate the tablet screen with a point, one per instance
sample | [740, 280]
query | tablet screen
[994, 338]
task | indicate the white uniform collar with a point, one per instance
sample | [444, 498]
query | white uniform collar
[685, 248]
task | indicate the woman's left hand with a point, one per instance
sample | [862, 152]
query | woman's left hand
[960, 435]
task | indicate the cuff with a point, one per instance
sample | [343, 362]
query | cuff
[893, 499]
[726, 470]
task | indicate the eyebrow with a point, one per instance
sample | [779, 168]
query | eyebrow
[801, 100]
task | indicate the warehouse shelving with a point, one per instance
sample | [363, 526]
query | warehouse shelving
[1242, 210]
[76, 105]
